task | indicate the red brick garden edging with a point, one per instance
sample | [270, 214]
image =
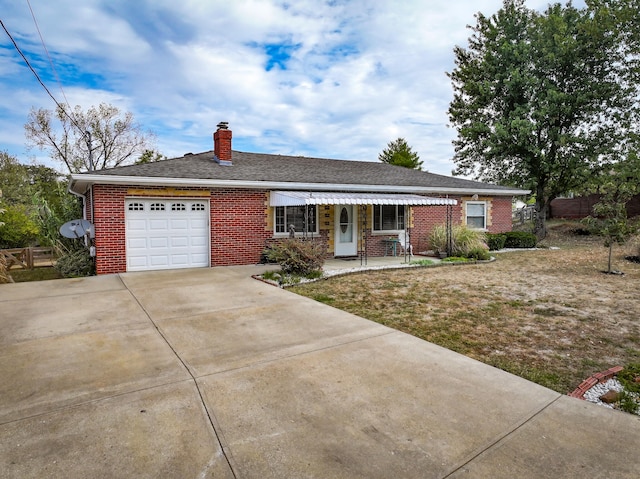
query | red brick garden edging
[593, 380]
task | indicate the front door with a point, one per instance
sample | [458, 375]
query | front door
[346, 239]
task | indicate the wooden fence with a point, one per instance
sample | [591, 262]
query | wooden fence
[28, 258]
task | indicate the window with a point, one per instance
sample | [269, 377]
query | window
[477, 215]
[197, 207]
[298, 216]
[136, 207]
[388, 217]
[157, 207]
[178, 207]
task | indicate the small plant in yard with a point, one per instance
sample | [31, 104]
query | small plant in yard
[466, 242]
[422, 262]
[609, 218]
[455, 259]
[298, 256]
[75, 263]
[287, 279]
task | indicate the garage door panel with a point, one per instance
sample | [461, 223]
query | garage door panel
[138, 261]
[159, 260]
[158, 224]
[199, 224]
[137, 243]
[198, 241]
[180, 260]
[179, 224]
[165, 234]
[158, 242]
[179, 241]
[137, 224]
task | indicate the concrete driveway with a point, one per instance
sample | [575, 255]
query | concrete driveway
[208, 373]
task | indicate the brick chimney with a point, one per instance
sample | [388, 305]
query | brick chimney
[222, 144]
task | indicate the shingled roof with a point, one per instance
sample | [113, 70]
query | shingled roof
[259, 170]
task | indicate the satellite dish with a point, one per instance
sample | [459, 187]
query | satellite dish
[78, 229]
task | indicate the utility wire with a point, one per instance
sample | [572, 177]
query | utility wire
[64, 110]
[55, 73]
[29, 65]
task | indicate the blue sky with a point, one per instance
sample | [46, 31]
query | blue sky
[335, 79]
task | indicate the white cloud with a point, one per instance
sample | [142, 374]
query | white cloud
[358, 73]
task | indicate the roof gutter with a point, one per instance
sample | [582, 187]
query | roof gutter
[78, 181]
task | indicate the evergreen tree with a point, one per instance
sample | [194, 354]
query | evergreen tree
[399, 153]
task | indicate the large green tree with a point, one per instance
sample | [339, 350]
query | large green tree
[545, 101]
[36, 203]
[101, 137]
[399, 153]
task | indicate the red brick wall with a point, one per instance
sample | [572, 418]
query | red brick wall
[238, 223]
[238, 226]
[500, 211]
[109, 223]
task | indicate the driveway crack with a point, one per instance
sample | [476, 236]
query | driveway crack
[210, 415]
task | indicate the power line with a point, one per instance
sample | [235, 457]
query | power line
[64, 110]
[55, 73]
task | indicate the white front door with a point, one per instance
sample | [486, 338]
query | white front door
[346, 238]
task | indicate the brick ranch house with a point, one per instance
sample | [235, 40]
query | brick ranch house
[221, 207]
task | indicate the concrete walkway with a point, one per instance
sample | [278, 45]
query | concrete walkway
[207, 373]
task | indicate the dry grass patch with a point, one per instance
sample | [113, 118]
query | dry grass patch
[550, 316]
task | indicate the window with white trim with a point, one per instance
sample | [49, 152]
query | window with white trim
[476, 214]
[178, 207]
[136, 206]
[303, 218]
[388, 217]
[157, 207]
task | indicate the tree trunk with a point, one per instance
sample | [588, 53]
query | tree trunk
[540, 223]
[610, 255]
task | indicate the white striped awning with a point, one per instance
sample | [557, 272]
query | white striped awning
[301, 198]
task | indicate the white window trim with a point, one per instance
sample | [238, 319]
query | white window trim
[299, 234]
[375, 232]
[486, 213]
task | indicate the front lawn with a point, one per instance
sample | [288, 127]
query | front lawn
[550, 316]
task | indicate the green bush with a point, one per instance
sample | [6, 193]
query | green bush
[481, 254]
[297, 256]
[19, 230]
[75, 263]
[496, 241]
[520, 239]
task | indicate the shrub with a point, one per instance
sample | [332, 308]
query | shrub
[19, 230]
[297, 256]
[467, 242]
[481, 254]
[520, 239]
[496, 241]
[75, 263]
[438, 238]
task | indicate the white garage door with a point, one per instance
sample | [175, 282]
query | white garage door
[166, 234]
